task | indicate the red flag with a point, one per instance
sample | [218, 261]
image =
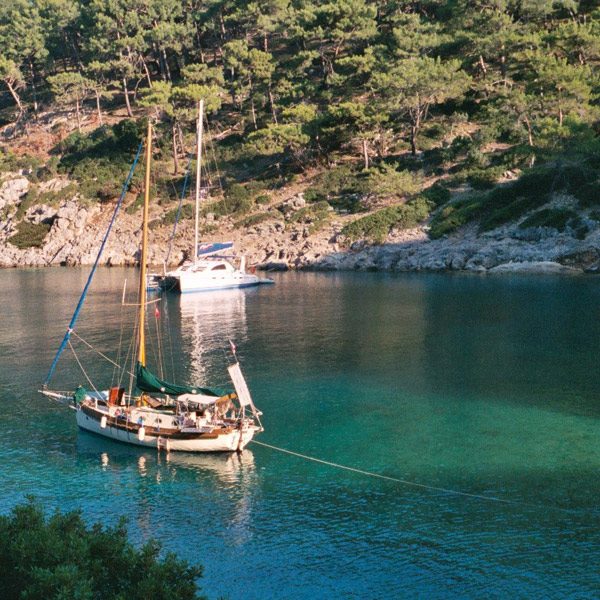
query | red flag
[156, 312]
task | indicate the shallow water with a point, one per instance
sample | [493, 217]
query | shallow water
[485, 385]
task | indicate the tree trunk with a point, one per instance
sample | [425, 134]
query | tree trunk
[413, 140]
[167, 69]
[78, 115]
[272, 103]
[175, 156]
[35, 103]
[98, 108]
[252, 109]
[365, 149]
[147, 72]
[13, 93]
[126, 92]
[529, 131]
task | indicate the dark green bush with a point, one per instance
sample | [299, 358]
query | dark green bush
[254, 219]
[262, 199]
[437, 194]
[187, 212]
[556, 218]
[30, 235]
[456, 215]
[60, 557]
[588, 194]
[377, 225]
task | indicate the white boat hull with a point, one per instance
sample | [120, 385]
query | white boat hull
[233, 441]
[192, 282]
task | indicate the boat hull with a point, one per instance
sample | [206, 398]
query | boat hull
[189, 283]
[232, 441]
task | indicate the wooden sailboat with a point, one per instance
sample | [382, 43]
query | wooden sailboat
[157, 413]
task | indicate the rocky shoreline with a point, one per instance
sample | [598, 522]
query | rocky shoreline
[76, 230]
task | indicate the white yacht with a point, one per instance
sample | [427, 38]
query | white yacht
[211, 271]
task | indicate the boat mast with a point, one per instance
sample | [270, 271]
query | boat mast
[198, 173]
[144, 253]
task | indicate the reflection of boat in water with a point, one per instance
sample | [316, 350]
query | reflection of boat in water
[228, 468]
[206, 320]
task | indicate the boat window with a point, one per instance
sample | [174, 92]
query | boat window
[218, 268]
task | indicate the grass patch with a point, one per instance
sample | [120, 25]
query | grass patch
[30, 235]
[378, 225]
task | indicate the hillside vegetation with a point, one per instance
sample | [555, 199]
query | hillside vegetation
[390, 112]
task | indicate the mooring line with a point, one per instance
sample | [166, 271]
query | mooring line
[413, 483]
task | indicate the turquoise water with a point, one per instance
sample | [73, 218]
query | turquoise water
[485, 385]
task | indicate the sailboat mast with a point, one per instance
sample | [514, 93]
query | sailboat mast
[144, 252]
[198, 173]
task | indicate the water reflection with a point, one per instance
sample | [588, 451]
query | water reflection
[208, 320]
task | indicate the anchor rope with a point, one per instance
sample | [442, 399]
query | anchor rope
[406, 482]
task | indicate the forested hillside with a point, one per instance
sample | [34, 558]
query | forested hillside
[387, 108]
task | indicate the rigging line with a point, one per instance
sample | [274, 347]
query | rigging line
[81, 367]
[424, 486]
[112, 362]
[71, 326]
[214, 156]
[179, 207]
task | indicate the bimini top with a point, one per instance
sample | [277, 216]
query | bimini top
[148, 382]
[210, 248]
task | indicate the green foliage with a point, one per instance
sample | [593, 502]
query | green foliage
[315, 215]
[588, 194]
[254, 219]
[389, 183]
[60, 557]
[377, 225]
[469, 87]
[262, 199]
[509, 202]
[187, 212]
[100, 161]
[29, 235]
[437, 194]
[556, 218]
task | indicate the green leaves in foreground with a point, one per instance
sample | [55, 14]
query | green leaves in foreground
[60, 557]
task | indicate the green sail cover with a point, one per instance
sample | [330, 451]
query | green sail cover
[148, 382]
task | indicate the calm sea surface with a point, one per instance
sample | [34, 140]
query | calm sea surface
[484, 385]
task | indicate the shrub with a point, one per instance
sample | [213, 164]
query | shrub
[262, 199]
[588, 194]
[187, 212]
[254, 219]
[556, 218]
[61, 557]
[237, 200]
[386, 181]
[377, 225]
[437, 194]
[456, 215]
[316, 215]
[30, 235]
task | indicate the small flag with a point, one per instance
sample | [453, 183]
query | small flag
[233, 348]
[156, 312]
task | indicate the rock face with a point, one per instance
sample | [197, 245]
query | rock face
[279, 243]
